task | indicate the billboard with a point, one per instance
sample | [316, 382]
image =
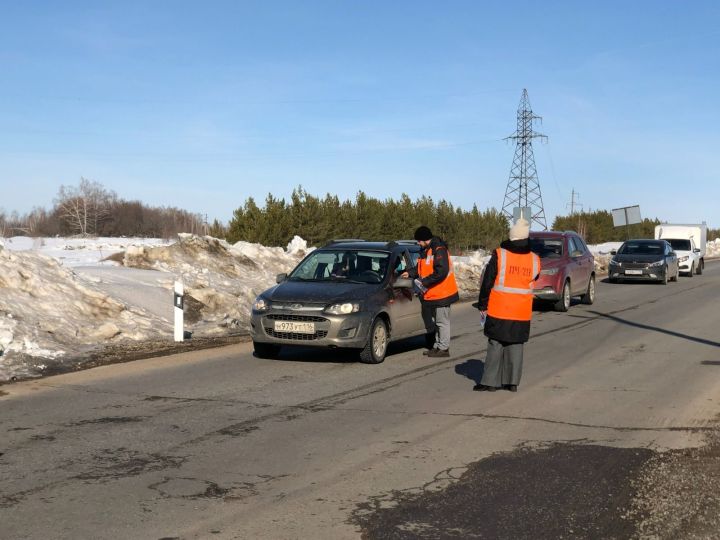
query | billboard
[627, 215]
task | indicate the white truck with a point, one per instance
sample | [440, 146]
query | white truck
[688, 242]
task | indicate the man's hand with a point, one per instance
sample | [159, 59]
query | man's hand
[404, 275]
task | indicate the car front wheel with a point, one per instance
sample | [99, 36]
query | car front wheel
[664, 279]
[376, 346]
[563, 304]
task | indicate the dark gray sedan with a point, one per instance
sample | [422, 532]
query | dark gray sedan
[348, 295]
[644, 260]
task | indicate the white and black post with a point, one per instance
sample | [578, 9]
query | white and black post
[178, 303]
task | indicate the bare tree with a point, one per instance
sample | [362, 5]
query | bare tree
[3, 224]
[33, 223]
[84, 207]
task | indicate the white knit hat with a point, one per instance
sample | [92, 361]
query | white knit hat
[521, 230]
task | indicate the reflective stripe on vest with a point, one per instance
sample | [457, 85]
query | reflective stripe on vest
[446, 288]
[512, 294]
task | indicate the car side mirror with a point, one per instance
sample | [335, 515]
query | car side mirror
[576, 253]
[404, 283]
[280, 278]
[672, 254]
[613, 252]
[696, 250]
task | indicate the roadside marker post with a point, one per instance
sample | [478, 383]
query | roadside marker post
[178, 303]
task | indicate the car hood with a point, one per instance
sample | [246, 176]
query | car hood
[326, 291]
[638, 258]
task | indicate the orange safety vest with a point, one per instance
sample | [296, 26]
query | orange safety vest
[447, 287]
[511, 297]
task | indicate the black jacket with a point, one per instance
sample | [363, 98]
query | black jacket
[503, 330]
[441, 268]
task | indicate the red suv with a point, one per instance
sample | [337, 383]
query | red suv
[568, 268]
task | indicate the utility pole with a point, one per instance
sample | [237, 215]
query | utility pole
[572, 204]
[522, 195]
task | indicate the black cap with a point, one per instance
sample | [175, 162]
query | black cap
[423, 233]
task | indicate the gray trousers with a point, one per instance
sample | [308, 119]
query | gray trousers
[437, 319]
[503, 363]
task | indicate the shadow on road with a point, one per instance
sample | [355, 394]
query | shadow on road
[299, 353]
[655, 329]
[472, 369]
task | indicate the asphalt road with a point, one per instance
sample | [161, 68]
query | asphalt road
[219, 444]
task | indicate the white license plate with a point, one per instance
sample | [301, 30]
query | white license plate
[634, 272]
[296, 327]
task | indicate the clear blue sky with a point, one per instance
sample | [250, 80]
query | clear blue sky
[201, 105]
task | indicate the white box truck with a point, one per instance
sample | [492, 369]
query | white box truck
[688, 241]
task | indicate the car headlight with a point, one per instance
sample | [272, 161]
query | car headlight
[260, 304]
[549, 271]
[615, 262]
[656, 264]
[343, 309]
[683, 259]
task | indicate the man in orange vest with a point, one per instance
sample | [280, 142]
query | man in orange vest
[506, 297]
[437, 287]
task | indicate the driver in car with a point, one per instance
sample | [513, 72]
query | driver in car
[344, 267]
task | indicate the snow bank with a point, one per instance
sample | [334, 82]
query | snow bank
[468, 272]
[80, 251]
[55, 308]
[48, 312]
[713, 248]
[220, 280]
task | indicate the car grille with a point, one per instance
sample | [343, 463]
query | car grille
[297, 336]
[302, 318]
[294, 335]
[635, 265]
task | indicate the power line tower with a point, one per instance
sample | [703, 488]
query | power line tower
[574, 198]
[522, 194]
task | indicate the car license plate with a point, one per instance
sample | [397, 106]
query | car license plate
[296, 327]
[634, 272]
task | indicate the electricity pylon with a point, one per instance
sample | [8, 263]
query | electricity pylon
[522, 194]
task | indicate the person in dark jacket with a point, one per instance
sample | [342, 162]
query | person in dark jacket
[437, 288]
[506, 296]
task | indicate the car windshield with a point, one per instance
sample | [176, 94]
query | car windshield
[342, 265]
[547, 248]
[680, 245]
[641, 248]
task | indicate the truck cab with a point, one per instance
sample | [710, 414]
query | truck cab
[688, 255]
[688, 241]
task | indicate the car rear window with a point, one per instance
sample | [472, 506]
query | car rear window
[547, 248]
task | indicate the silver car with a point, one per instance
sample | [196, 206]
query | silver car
[344, 295]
